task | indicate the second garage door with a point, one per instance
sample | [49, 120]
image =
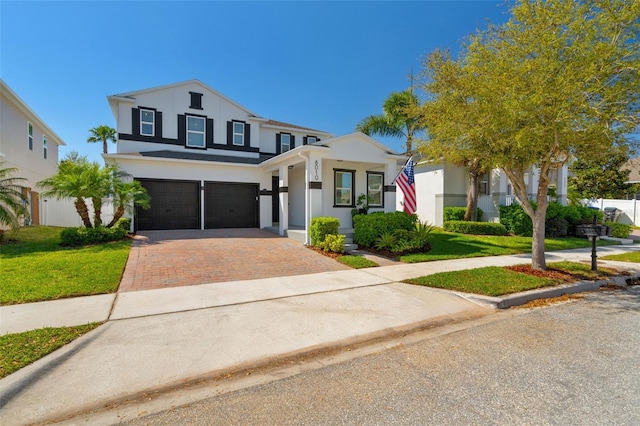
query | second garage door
[231, 205]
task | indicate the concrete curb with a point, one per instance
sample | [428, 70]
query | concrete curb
[521, 298]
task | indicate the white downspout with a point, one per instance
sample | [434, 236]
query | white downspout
[307, 200]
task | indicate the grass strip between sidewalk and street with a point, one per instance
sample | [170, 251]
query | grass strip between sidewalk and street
[356, 262]
[633, 256]
[21, 349]
[36, 268]
[499, 281]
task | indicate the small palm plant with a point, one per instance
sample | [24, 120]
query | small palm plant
[386, 241]
[12, 202]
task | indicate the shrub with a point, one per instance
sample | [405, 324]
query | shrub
[457, 213]
[333, 242]
[619, 230]
[386, 241]
[422, 232]
[321, 227]
[81, 236]
[557, 227]
[515, 220]
[475, 228]
[123, 223]
[367, 228]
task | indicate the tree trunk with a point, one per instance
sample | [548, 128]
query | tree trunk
[105, 148]
[97, 211]
[538, 259]
[83, 211]
[119, 213]
[471, 214]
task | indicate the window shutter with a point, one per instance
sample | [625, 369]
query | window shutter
[293, 142]
[158, 123]
[229, 132]
[135, 121]
[182, 129]
[209, 132]
[304, 140]
[278, 144]
[247, 134]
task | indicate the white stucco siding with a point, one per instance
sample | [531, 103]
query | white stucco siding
[297, 196]
[429, 181]
[14, 146]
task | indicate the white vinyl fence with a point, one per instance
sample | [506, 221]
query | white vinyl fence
[629, 209]
[63, 212]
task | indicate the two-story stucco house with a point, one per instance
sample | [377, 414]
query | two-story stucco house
[208, 162]
[29, 145]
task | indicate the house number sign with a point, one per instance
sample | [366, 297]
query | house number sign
[316, 167]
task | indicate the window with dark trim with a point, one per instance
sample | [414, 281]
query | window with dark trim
[196, 100]
[44, 146]
[238, 133]
[311, 139]
[30, 136]
[375, 189]
[285, 142]
[147, 122]
[196, 132]
[343, 185]
[485, 188]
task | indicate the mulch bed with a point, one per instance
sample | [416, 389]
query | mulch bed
[555, 274]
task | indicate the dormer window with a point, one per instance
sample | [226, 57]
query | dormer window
[311, 139]
[147, 122]
[238, 133]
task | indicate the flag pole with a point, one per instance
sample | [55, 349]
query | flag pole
[402, 169]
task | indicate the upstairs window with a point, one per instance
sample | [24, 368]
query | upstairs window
[147, 121]
[238, 133]
[30, 135]
[196, 132]
[285, 142]
[311, 139]
[343, 188]
[375, 186]
[44, 146]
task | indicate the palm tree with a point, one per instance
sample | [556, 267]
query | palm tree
[75, 179]
[12, 202]
[102, 134]
[400, 118]
[127, 194]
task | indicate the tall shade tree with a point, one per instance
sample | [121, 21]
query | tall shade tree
[449, 96]
[559, 80]
[399, 119]
[102, 134]
[12, 202]
[601, 177]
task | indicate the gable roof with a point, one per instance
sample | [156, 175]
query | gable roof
[21, 105]
[282, 124]
[132, 95]
[362, 136]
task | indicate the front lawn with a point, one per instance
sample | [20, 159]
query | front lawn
[356, 262]
[498, 281]
[632, 256]
[449, 245]
[35, 267]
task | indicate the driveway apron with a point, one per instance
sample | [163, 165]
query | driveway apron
[160, 259]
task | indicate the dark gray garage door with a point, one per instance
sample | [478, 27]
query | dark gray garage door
[174, 205]
[230, 205]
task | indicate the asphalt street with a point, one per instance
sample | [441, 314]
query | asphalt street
[566, 364]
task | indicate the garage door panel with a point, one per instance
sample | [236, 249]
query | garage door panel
[231, 205]
[174, 205]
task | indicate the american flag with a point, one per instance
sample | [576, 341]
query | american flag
[406, 182]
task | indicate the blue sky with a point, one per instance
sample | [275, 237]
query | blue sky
[323, 65]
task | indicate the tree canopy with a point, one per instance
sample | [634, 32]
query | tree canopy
[102, 134]
[12, 202]
[558, 81]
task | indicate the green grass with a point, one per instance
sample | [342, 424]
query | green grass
[633, 256]
[497, 281]
[356, 262]
[21, 349]
[449, 245]
[36, 268]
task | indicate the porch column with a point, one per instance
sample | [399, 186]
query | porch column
[314, 183]
[283, 204]
[391, 170]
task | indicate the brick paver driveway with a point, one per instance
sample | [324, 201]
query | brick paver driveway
[160, 259]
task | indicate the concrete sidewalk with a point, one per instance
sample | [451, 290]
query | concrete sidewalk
[158, 339]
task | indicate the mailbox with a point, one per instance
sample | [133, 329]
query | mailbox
[593, 231]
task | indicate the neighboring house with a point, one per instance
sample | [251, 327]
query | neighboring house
[633, 166]
[208, 162]
[440, 185]
[28, 144]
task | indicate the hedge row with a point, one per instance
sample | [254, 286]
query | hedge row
[475, 228]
